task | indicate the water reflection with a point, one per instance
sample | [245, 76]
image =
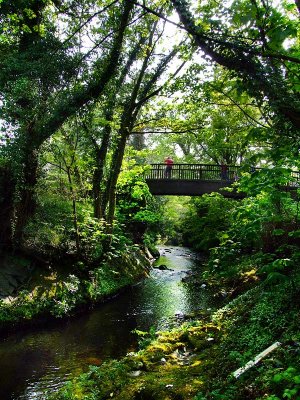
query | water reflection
[44, 359]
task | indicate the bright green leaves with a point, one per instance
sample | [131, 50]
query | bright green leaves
[280, 29]
[251, 48]
[30, 14]
[286, 384]
[206, 221]
[276, 270]
[267, 25]
[20, 18]
[243, 12]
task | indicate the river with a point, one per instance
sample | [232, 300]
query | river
[34, 361]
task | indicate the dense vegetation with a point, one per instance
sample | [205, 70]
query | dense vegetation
[94, 91]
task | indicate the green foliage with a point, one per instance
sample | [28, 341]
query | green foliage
[230, 229]
[56, 300]
[266, 181]
[286, 384]
[172, 212]
[51, 227]
[67, 295]
[92, 234]
[264, 223]
[261, 317]
[222, 260]
[276, 270]
[45, 80]
[51, 232]
[97, 383]
[221, 126]
[136, 208]
[61, 293]
[207, 219]
[145, 338]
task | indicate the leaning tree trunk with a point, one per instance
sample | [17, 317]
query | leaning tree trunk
[101, 196]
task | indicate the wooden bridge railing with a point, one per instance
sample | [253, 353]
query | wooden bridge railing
[203, 172]
[192, 172]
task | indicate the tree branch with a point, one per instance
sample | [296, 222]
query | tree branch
[258, 78]
[238, 106]
[80, 96]
[87, 21]
[190, 130]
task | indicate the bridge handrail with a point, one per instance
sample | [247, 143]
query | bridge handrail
[203, 172]
[191, 171]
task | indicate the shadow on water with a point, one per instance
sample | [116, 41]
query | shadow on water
[44, 359]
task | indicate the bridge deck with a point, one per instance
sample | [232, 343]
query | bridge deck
[190, 188]
[198, 179]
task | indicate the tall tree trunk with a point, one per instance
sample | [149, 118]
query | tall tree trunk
[101, 196]
[7, 189]
[97, 178]
[115, 172]
[25, 191]
[99, 202]
[26, 202]
[74, 211]
[137, 98]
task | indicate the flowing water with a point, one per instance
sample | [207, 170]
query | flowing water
[43, 359]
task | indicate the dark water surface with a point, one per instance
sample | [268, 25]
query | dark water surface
[43, 359]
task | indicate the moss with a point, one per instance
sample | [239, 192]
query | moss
[203, 336]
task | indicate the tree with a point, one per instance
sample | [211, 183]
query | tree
[208, 120]
[36, 107]
[255, 55]
[143, 89]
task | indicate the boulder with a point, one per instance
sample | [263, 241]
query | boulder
[162, 267]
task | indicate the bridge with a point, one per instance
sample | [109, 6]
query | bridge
[198, 179]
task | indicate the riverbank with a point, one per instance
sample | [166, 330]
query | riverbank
[54, 292]
[197, 360]
[44, 357]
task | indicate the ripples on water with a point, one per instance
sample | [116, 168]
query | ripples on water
[44, 359]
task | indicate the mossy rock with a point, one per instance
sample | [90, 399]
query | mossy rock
[201, 337]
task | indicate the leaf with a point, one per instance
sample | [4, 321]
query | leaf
[295, 234]
[277, 378]
[276, 277]
[296, 379]
[278, 232]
